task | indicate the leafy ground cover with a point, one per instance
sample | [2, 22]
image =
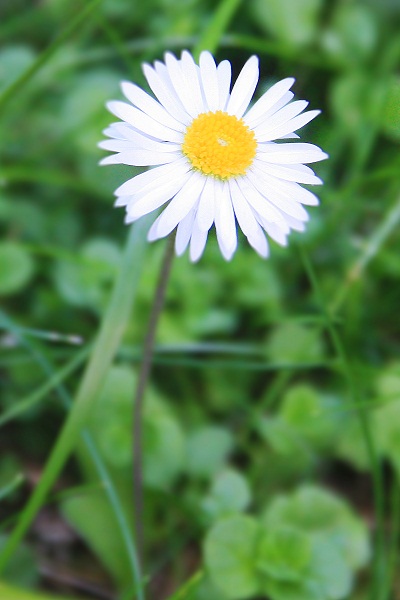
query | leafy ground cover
[272, 418]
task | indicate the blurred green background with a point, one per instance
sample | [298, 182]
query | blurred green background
[272, 386]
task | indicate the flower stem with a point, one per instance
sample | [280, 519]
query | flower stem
[144, 373]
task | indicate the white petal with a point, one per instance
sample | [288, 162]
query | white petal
[182, 79]
[298, 173]
[288, 153]
[152, 235]
[295, 224]
[274, 231]
[142, 143]
[206, 208]
[191, 75]
[267, 100]
[140, 158]
[137, 183]
[244, 214]
[142, 122]
[289, 188]
[209, 78]
[281, 116]
[167, 98]
[197, 242]
[181, 204]
[147, 104]
[275, 195]
[225, 221]
[288, 136]
[247, 221]
[269, 114]
[224, 72]
[259, 203]
[122, 200]
[117, 130]
[184, 232]
[288, 127]
[124, 131]
[243, 89]
[156, 198]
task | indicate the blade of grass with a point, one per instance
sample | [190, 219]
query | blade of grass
[211, 38]
[190, 586]
[105, 347]
[8, 489]
[16, 87]
[370, 250]
[38, 395]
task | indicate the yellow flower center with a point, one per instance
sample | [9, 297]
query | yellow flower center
[220, 145]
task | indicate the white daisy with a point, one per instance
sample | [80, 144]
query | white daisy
[218, 162]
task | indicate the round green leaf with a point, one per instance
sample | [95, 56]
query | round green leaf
[229, 493]
[230, 556]
[330, 571]
[16, 268]
[284, 554]
[208, 449]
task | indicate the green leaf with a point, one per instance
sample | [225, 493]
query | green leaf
[388, 380]
[229, 493]
[350, 445]
[163, 440]
[284, 554]
[8, 592]
[230, 554]
[164, 445]
[311, 415]
[22, 568]
[326, 516]
[391, 111]
[350, 90]
[14, 60]
[87, 281]
[292, 22]
[295, 343]
[387, 428]
[353, 34]
[330, 571]
[282, 438]
[16, 268]
[207, 450]
[92, 516]
[286, 590]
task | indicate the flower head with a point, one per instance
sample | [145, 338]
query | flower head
[216, 161]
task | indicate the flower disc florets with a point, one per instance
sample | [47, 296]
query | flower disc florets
[219, 144]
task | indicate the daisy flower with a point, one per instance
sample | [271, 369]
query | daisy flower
[216, 161]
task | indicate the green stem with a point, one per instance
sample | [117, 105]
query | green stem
[106, 345]
[362, 413]
[144, 373]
